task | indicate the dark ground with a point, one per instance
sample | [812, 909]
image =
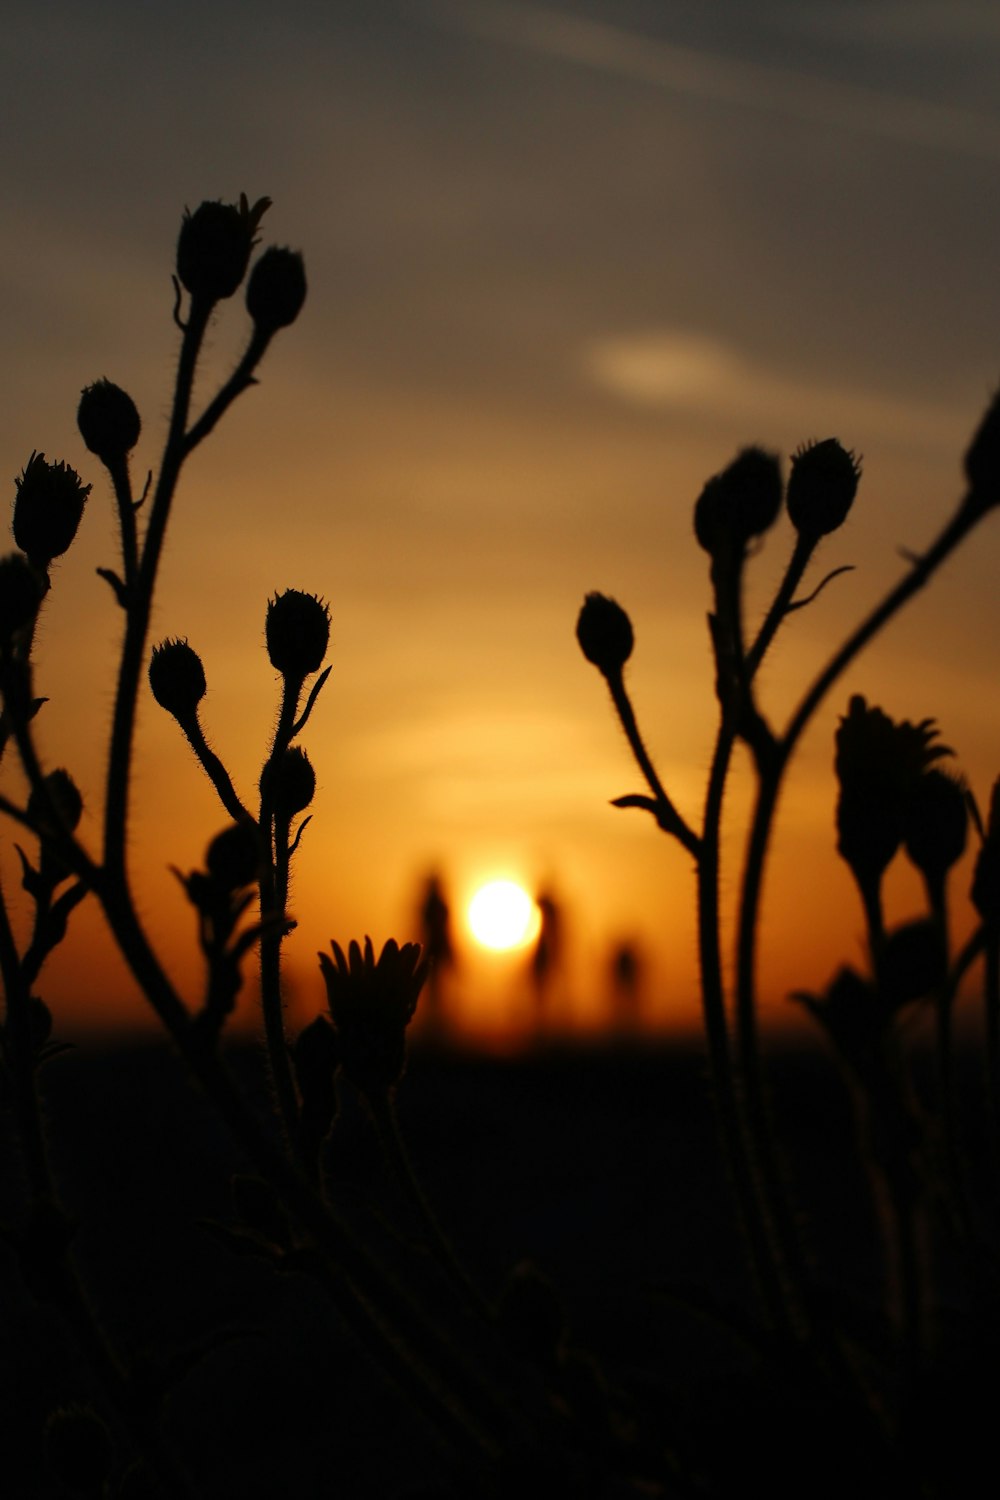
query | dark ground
[601, 1167]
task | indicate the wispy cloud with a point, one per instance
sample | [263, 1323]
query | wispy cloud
[764, 87]
[689, 372]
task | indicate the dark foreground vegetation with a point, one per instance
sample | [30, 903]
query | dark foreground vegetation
[290, 1270]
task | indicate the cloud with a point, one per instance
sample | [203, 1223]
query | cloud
[694, 373]
[809, 98]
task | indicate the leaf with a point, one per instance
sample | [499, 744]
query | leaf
[636, 799]
[118, 588]
[31, 878]
[801, 603]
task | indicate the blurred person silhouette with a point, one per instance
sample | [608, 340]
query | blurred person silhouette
[625, 970]
[546, 958]
[435, 936]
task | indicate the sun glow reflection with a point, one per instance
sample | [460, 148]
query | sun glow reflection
[501, 916]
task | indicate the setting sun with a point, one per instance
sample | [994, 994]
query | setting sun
[502, 915]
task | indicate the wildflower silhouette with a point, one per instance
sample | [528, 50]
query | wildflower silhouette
[372, 1001]
[503, 1397]
[892, 795]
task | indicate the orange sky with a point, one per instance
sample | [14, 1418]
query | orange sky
[563, 261]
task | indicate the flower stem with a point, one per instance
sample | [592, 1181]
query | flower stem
[394, 1146]
[668, 816]
[272, 891]
[141, 601]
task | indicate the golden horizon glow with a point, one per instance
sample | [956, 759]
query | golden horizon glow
[502, 916]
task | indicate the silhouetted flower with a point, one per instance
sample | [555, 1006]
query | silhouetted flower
[67, 805]
[741, 502]
[213, 248]
[65, 798]
[371, 1004]
[604, 631]
[298, 633]
[177, 678]
[108, 420]
[935, 821]
[852, 1015]
[290, 781]
[48, 509]
[821, 487]
[877, 763]
[20, 594]
[233, 857]
[276, 289]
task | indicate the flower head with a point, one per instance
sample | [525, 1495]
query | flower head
[213, 248]
[604, 631]
[177, 678]
[935, 823]
[297, 631]
[66, 801]
[878, 763]
[290, 781]
[821, 487]
[233, 857]
[371, 1004]
[276, 289]
[108, 420]
[48, 508]
[741, 502]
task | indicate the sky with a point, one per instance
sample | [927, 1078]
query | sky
[564, 261]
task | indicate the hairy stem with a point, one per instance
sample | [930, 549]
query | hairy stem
[668, 816]
[399, 1158]
[141, 601]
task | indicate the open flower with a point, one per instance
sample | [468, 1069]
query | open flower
[878, 763]
[48, 508]
[371, 1003]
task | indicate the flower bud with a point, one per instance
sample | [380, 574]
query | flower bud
[20, 594]
[48, 508]
[213, 248]
[177, 678]
[297, 631]
[741, 502]
[604, 631]
[291, 782]
[935, 821]
[821, 487]
[233, 857]
[66, 800]
[277, 289]
[109, 421]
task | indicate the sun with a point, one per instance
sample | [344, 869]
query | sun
[502, 915]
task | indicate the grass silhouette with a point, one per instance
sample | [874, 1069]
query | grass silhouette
[409, 1366]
